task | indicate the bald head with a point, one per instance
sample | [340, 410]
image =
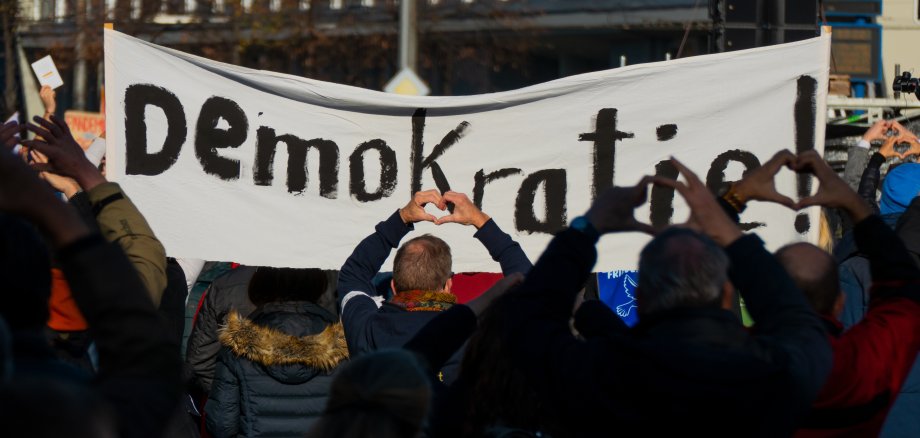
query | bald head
[814, 271]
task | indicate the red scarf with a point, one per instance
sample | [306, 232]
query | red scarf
[424, 301]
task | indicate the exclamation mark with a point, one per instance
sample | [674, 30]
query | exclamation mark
[805, 117]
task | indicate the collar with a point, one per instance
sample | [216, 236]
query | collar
[421, 300]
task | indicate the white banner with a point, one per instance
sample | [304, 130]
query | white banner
[261, 168]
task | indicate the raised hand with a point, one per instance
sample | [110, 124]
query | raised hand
[24, 194]
[832, 191]
[65, 157]
[614, 210]
[8, 133]
[414, 211]
[878, 130]
[706, 216]
[901, 130]
[63, 184]
[914, 148]
[887, 148]
[759, 185]
[47, 95]
[465, 212]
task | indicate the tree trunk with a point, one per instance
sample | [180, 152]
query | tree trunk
[9, 57]
[79, 68]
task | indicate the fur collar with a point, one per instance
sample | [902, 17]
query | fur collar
[267, 346]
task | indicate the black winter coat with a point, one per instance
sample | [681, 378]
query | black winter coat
[274, 370]
[227, 293]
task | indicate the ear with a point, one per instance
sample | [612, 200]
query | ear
[728, 296]
[839, 303]
[393, 286]
[448, 285]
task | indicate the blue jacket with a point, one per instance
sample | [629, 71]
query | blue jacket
[369, 327]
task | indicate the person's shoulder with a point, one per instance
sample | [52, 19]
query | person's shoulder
[235, 277]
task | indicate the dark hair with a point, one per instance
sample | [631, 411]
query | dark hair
[680, 268]
[818, 279]
[25, 266]
[383, 394]
[422, 263]
[286, 284]
[501, 394]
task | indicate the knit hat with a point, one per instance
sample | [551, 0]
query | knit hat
[901, 185]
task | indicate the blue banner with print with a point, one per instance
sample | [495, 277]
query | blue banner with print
[617, 289]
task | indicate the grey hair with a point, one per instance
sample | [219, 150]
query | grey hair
[681, 268]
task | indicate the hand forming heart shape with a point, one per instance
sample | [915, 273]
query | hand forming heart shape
[465, 212]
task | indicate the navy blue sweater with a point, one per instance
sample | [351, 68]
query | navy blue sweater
[369, 328]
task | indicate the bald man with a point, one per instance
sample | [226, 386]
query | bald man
[815, 273]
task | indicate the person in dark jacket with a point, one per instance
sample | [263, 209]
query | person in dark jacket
[138, 379]
[107, 210]
[275, 367]
[689, 364]
[901, 185]
[421, 273]
[873, 357]
[227, 293]
[490, 397]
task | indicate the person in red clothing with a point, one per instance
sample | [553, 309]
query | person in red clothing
[872, 358]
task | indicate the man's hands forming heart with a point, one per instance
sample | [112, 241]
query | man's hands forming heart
[465, 212]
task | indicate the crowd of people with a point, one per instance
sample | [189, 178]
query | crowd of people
[92, 321]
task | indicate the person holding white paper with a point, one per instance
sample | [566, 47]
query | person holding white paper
[47, 73]
[47, 95]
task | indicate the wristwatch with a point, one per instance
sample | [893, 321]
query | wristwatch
[583, 225]
[732, 198]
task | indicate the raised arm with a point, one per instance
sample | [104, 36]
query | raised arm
[871, 176]
[49, 101]
[858, 154]
[541, 341]
[889, 332]
[785, 323]
[121, 222]
[63, 162]
[357, 274]
[138, 364]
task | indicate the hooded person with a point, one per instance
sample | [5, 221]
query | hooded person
[275, 367]
[901, 186]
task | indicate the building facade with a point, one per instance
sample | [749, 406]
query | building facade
[464, 46]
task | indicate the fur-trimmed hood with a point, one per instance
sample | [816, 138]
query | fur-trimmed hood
[285, 356]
